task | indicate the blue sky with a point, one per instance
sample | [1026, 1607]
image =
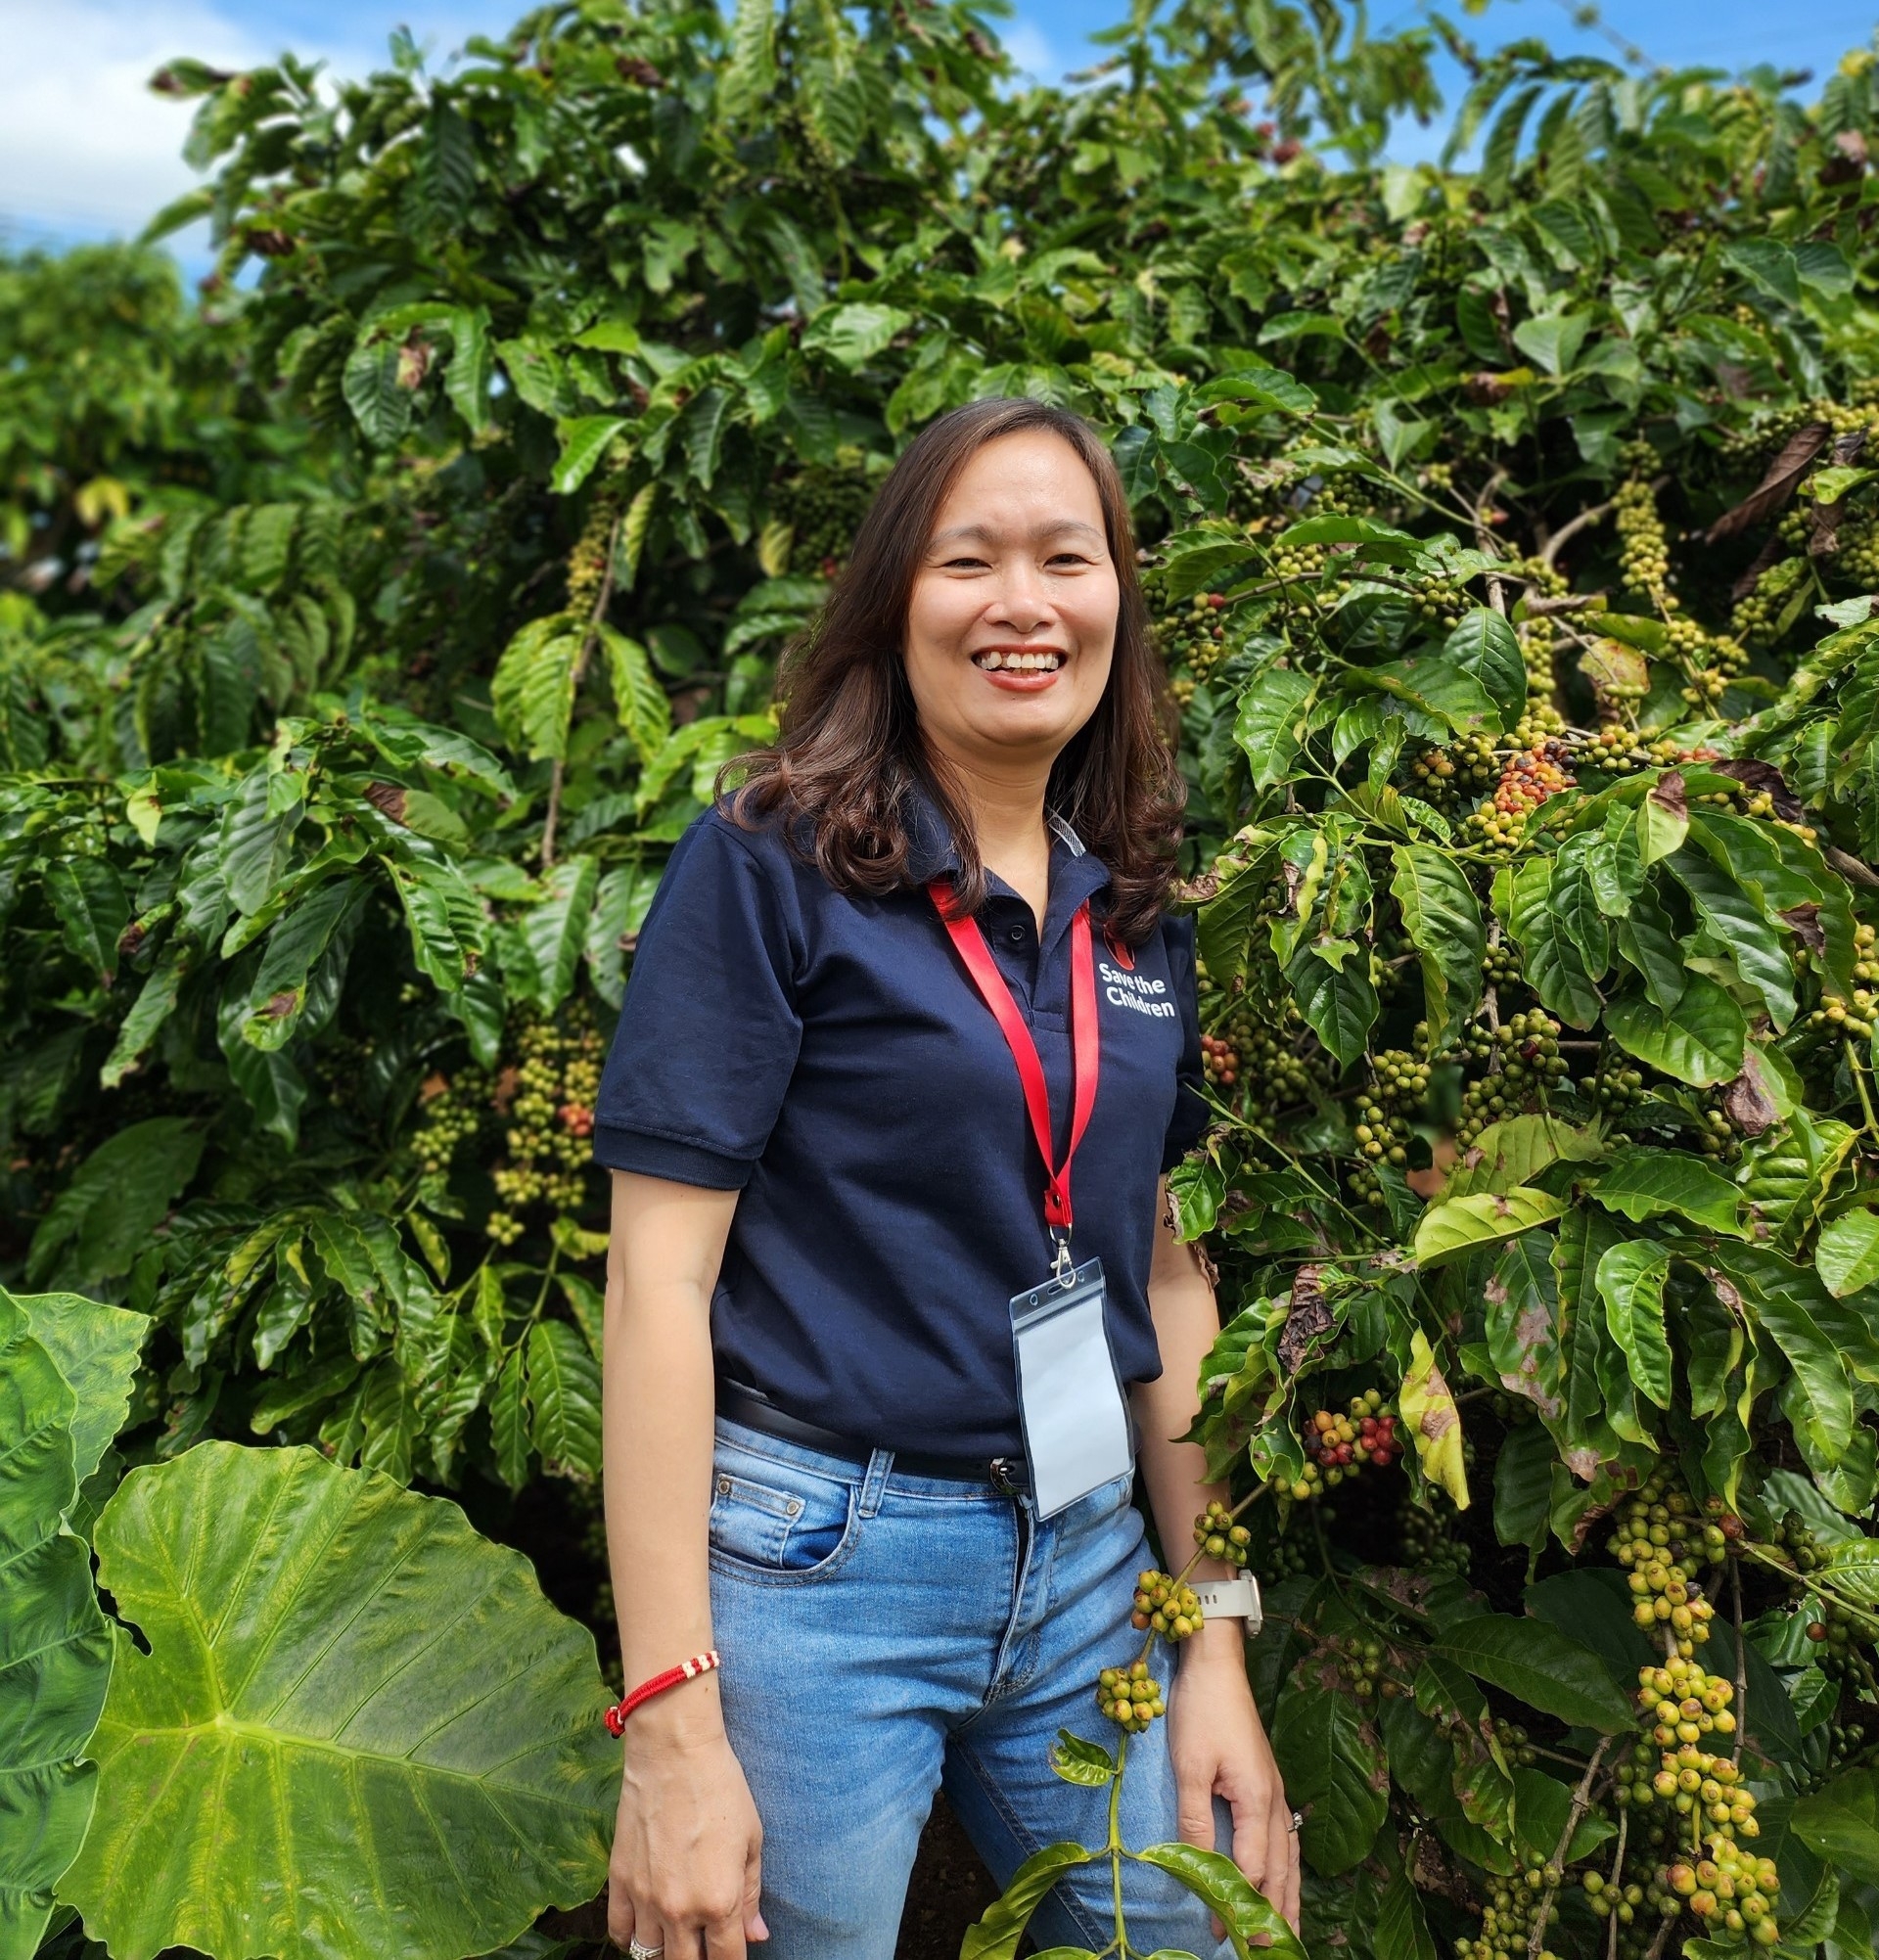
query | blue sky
[86, 152]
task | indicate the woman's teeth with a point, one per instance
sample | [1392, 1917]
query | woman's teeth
[1019, 664]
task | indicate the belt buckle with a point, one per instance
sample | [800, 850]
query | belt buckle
[999, 1470]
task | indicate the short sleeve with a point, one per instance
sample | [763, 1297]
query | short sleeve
[709, 1033]
[1191, 1115]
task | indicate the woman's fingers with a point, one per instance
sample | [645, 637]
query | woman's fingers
[753, 1927]
[1194, 1804]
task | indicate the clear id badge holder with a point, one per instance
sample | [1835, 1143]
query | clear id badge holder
[1070, 1401]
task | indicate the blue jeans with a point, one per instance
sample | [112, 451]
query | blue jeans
[887, 1635]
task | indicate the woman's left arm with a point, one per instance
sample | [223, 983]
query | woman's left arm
[1215, 1733]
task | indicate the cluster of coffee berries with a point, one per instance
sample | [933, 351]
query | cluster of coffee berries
[826, 506]
[1529, 778]
[1764, 613]
[1456, 773]
[1440, 602]
[1835, 1019]
[1524, 1063]
[1167, 1603]
[1427, 1540]
[1732, 1891]
[1615, 751]
[1279, 1064]
[1507, 1922]
[1220, 1060]
[1643, 551]
[1365, 1434]
[1217, 1536]
[1659, 1541]
[1500, 964]
[1834, 1634]
[452, 1111]
[1131, 1697]
[550, 1095]
[587, 562]
[1296, 562]
[1360, 1666]
[1193, 635]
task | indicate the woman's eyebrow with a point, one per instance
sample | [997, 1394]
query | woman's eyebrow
[1055, 527]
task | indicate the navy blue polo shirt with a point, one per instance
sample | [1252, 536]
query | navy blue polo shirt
[829, 1059]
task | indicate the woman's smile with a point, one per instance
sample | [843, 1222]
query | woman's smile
[1021, 667]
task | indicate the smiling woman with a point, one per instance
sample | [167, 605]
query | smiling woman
[843, 1226]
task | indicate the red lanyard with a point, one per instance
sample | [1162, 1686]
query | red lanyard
[1086, 1046]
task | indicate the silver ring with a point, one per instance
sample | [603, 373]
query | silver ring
[1298, 1818]
[635, 1951]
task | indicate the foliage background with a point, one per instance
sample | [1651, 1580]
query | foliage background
[369, 631]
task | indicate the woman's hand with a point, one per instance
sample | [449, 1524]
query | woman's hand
[685, 1871]
[1219, 1749]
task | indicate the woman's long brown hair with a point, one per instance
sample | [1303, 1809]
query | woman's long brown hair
[849, 742]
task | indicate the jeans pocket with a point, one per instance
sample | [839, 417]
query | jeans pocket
[778, 1520]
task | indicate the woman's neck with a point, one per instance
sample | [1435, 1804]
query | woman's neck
[1006, 806]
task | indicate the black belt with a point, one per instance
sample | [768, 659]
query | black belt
[1007, 1475]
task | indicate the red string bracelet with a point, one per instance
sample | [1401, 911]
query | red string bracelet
[686, 1670]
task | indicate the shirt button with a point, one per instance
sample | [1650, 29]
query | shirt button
[1016, 936]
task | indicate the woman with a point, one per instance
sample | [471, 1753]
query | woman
[829, 1205]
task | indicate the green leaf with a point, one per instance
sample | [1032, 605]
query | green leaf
[995, 1935]
[1847, 1252]
[509, 1421]
[1630, 1279]
[584, 441]
[1251, 1924]
[555, 931]
[289, 1682]
[1648, 941]
[564, 1399]
[1079, 1761]
[1269, 724]
[1402, 1930]
[1442, 918]
[444, 916]
[1485, 645]
[94, 1348]
[1541, 1805]
[156, 1002]
[640, 703]
[379, 406]
[255, 840]
[296, 945]
[1699, 1041]
[1521, 1320]
[1735, 916]
[1515, 1150]
[1455, 1227]
[55, 1650]
[533, 691]
[104, 1216]
[93, 910]
[1540, 1665]
[1552, 340]
[1646, 1184]
[1842, 1823]
[852, 334]
[1541, 919]
[1335, 1773]
[1339, 1003]
[1783, 1300]
[1765, 263]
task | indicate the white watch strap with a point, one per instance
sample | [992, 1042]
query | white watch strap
[1237, 1598]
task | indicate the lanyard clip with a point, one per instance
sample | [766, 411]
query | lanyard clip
[1063, 1270]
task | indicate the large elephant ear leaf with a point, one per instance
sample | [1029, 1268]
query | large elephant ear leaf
[327, 1646]
[55, 1653]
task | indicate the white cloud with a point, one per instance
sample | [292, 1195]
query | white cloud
[1029, 47]
[84, 146]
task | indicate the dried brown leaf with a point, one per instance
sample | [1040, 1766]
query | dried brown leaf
[1776, 485]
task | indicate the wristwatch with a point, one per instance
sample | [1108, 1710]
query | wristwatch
[1237, 1598]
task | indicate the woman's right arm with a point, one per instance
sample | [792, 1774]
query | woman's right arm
[684, 1872]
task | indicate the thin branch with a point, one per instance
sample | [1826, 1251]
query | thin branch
[1581, 1802]
[1616, 1882]
[1568, 602]
[1571, 529]
[587, 642]
[1741, 1665]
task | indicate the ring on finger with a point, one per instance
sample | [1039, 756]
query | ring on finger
[635, 1951]
[1298, 1818]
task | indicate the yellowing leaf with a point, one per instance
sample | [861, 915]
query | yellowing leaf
[1429, 1410]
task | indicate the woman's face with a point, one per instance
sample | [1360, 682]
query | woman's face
[1011, 626]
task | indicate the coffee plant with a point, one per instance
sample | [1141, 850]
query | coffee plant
[371, 629]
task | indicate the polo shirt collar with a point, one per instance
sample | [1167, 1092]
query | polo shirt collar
[1075, 873]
